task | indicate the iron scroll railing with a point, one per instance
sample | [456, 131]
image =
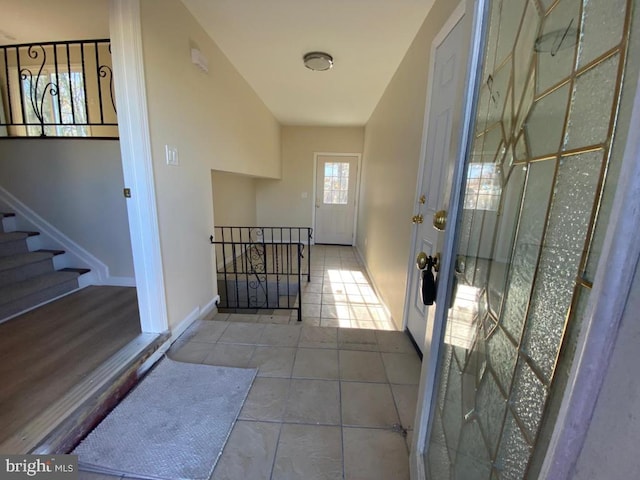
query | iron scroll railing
[261, 268]
[57, 89]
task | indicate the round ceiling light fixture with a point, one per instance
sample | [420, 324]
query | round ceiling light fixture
[318, 61]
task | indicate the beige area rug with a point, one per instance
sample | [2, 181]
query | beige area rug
[173, 425]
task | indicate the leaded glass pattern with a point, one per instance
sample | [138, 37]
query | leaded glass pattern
[545, 120]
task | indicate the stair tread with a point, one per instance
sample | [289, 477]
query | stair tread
[6, 237]
[24, 288]
[21, 259]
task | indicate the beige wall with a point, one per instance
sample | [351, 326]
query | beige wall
[76, 186]
[281, 202]
[234, 199]
[217, 122]
[391, 157]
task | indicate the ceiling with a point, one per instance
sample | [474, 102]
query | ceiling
[266, 40]
[32, 21]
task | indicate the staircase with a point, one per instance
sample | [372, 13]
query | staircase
[28, 277]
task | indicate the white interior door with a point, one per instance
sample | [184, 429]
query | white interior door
[336, 177]
[437, 158]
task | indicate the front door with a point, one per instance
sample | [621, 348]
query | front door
[432, 193]
[336, 177]
[523, 236]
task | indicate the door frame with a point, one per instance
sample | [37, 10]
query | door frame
[446, 29]
[137, 162]
[356, 193]
[427, 389]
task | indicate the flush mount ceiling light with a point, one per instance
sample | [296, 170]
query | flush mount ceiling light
[318, 61]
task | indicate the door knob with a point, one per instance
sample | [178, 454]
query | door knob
[421, 260]
[416, 219]
[440, 220]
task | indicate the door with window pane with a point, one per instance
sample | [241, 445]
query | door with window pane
[521, 271]
[335, 199]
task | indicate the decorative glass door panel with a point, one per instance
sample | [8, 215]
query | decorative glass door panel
[545, 122]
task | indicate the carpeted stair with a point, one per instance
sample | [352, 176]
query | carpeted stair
[27, 278]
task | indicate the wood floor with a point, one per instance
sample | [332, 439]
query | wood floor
[47, 351]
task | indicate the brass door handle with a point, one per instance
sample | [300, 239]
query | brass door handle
[440, 220]
[417, 219]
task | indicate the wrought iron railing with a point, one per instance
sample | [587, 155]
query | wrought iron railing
[261, 268]
[59, 89]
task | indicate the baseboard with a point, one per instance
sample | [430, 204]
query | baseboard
[373, 284]
[71, 248]
[197, 313]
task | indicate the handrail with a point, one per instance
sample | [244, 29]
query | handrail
[62, 89]
[303, 235]
[255, 266]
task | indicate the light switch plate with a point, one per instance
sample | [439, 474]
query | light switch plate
[172, 155]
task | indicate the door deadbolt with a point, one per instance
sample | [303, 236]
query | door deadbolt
[440, 220]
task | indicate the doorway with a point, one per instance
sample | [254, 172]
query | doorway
[336, 197]
[442, 109]
[524, 242]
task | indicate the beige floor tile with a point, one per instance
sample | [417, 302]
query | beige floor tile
[363, 324]
[402, 368]
[335, 311]
[242, 333]
[280, 335]
[372, 454]
[249, 452]
[273, 361]
[229, 355]
[267, 400]
[335, 322]
[310, 321]
[361, 366]
[189, 352]
[367, 405]
[308, 452]
[216, 316]
[388, 326]
[243, 317]
[310, 310]
[357, 339]
[316, 363]
[311, 288]
[395, 342]
[334, 298]
[313, 402]
[279, 319]
[205, 331]
[406, 397]
[311, 298]
[318, 337]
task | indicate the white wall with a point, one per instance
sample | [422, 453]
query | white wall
[217, 123]
[391, 158]
[280, 202]
[76, 186]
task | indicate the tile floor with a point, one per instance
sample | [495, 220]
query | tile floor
[338, 295]
[329, 401]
